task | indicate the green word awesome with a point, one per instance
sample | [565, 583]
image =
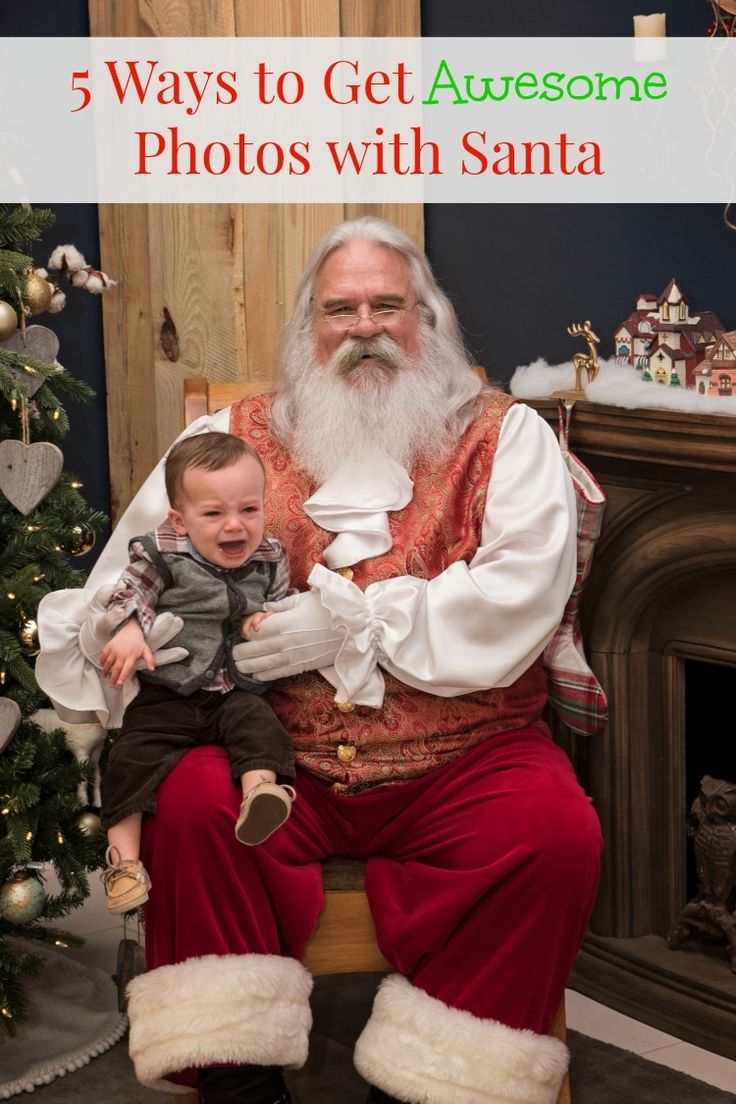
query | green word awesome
[550, 86]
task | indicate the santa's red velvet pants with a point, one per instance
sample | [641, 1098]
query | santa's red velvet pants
[481, 878]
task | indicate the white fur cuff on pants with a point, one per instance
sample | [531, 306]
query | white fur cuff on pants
[219, 1009]
[424, 1052]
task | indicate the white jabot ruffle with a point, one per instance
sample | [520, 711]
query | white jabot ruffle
[476, 625]
[355, 503]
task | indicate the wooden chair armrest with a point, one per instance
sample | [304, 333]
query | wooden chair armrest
[195, 398]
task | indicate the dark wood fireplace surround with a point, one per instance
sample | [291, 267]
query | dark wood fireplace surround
[662, 591]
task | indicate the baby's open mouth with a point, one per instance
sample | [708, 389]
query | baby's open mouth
[233, 548]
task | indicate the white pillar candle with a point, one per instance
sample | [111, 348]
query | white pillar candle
[650, 26]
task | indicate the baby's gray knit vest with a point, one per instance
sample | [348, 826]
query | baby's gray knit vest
[212, 602]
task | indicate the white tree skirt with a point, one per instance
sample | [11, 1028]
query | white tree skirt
[73, 1018]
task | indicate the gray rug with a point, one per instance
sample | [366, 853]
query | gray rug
[600, 1074]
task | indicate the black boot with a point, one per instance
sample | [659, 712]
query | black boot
[243, 1085]
[378, 1096]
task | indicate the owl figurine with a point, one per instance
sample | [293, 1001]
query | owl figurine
[712, 827]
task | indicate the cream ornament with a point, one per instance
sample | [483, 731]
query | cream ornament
[28, 472]
[22, 898]
[9, 720]
[8, 320]
[89, 823]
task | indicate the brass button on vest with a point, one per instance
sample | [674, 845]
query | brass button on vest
[346, 752]
[345, 707]
[346, 572]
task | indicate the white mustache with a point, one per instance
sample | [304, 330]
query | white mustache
[350, 353]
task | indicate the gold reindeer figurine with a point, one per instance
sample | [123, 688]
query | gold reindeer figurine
[585, 361]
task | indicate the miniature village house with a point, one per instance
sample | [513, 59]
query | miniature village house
[665, 342]
[716, 375]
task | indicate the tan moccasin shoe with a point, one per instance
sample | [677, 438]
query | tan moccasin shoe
[126, 882]
[264, 810]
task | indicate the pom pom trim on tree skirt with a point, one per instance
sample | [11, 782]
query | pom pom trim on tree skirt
[615, 385]
[73, 1018]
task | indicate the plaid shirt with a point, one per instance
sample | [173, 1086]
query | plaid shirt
[139, 587]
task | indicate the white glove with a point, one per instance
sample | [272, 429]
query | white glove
[100, 624]
[296, 637]
[165, 627]
[306, 633]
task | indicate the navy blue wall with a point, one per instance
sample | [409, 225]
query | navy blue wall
[564, 263]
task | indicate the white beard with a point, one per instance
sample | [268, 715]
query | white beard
[348, 410]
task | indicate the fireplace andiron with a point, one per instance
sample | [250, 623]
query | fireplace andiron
[712, 827]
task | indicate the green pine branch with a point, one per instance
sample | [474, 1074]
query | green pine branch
[19, 223]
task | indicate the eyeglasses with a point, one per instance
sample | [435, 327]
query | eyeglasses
[383, 316]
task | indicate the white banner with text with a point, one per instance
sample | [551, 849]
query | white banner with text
[323, 120]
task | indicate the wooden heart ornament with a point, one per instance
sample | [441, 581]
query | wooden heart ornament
[9, 721]
[39, 342]
[28, 472]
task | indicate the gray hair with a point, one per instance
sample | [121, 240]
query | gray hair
[436, 311]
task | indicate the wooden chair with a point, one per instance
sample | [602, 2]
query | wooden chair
[344, 941]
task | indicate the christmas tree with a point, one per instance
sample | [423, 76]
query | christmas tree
[43, 521]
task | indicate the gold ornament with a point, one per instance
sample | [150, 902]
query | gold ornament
[8, 320]
[89, 822]
[80, 540]
[38, 293]
[22, 898]
[28, 636]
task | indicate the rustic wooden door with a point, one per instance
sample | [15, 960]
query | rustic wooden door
[204, 289]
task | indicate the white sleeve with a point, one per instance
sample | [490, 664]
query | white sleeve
[73, 683]
[481, 624]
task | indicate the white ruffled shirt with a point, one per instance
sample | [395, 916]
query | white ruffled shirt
[474, 626]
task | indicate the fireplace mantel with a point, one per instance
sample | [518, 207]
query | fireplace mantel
[668, 437]
[662, 591]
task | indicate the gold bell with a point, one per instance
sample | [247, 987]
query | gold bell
[346, 752]
[346, 572]
[345, 707]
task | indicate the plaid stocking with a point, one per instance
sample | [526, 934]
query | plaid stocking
[574, 691]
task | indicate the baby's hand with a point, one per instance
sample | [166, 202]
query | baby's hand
[252, 623]
[119, 657]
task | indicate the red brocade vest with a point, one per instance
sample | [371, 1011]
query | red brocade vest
[413, 732]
